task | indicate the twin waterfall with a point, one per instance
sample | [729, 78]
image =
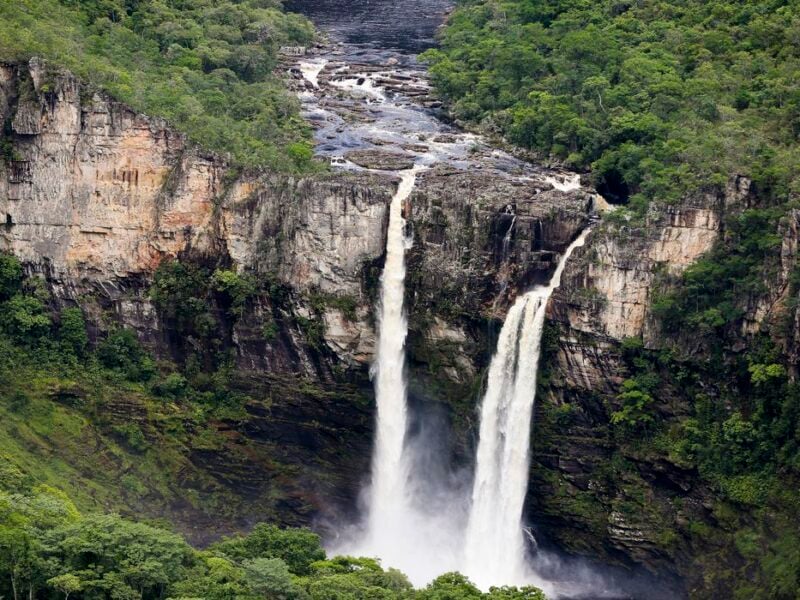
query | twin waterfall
[485, 539]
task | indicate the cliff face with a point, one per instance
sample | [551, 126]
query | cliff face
[595, 492]
[94, 197]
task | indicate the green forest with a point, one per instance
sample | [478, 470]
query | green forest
[660, 103]
[50, 550]
[207, 67]
[56, 391]
[656, 98]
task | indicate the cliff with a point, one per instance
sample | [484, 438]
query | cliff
[95, 197]
[600, 490]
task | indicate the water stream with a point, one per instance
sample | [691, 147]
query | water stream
[366, 96]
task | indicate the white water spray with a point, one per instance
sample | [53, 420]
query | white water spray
[311, 70]
[494, 552]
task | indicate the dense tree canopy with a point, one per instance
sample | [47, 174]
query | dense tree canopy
[48, 549]
[206, 66]
[657, 97]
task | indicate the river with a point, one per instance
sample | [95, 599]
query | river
[370, 104]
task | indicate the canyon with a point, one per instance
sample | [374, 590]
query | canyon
[96, 197]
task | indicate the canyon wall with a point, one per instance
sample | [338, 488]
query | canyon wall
[94, 197]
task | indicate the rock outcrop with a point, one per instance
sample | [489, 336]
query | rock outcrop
[591, 491]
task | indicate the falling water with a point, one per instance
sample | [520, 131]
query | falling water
[416, 516]
[494, 552]
[406, 527]
[389, 470]
[311, 70]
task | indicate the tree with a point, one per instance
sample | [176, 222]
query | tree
[237, 288]
[10, 275]
[298, 548]
[72, 330]
[270, 578]
[66, 584]
[122, 352]
[213, 578]
[24, 520]
[25, 319]
[450, 586]
[114, 557]
[512, 593]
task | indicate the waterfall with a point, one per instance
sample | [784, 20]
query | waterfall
[388, 498]
[406, 525]
[494, 549]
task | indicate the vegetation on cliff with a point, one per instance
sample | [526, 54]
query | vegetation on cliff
[207, 66]
[662, 101]
[95, 414]
[658, 98]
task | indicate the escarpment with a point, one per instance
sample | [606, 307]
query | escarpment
[95, 198]
[602, 492]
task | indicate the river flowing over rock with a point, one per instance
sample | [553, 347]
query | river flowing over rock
[98, 196]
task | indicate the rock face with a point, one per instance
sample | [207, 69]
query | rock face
[590, 491]
[619, 266]
[94, 197]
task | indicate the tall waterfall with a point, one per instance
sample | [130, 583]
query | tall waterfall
[406, 527]
[388, 496]
[494, 550]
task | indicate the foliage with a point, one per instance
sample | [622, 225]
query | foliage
[72, 330]
[25, 319]
[238, 289]
[180, 291]
[115, 558]
[451, 586]
[10, 275]
[636, 405]
[298, 548]
[121, 352]
[741, 434]
[347, 305]
[204, 66]
[658, 97]
[47, 546]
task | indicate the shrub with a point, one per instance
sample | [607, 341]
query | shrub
[72, 330]
[10, 275]
[25, 319]
[121, 352]
[298, 548]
